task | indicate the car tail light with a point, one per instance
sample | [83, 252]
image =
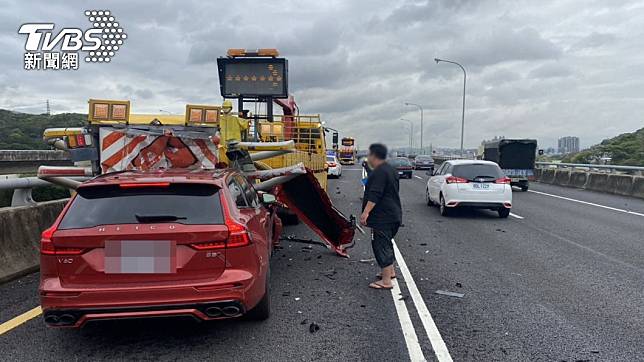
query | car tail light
[502, 180]
[456, 180]
[237, 234]
[47, 246]
[209, 245]
[332, 164]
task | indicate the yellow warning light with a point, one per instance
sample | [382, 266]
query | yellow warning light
[268, 52]
[263, 52]
[195, 115]
[236, 52]
[101, 110]
[119, 112]
[212, 115]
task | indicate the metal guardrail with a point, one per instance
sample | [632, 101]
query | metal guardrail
[593, 167]
[22, 187]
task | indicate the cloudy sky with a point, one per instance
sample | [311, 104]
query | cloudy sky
[540, 69]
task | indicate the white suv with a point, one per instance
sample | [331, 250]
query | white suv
[470, 183]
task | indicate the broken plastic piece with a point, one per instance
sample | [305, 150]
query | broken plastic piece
[450, 294]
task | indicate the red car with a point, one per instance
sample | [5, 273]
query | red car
[163, 243]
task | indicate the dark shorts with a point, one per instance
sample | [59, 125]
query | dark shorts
[383, 248]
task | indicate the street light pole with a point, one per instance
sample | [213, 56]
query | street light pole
[464, 81]
[421, 122]
[411, 132]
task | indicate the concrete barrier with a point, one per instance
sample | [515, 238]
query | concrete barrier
[620, 184]
[562, 178]
[597, 182]
[578, 179]
[20, 229]
[638, 187]
[548, 176]
[537, 173]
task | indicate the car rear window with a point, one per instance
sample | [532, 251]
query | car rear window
[424, 158]
[330, 158]
[399, 162]
[476, 171]
[191, 204]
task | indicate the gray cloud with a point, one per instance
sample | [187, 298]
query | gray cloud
[534, 69]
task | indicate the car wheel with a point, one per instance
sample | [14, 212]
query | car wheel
[524, 188]
[443, 209]
[263, 309]
[504, 213]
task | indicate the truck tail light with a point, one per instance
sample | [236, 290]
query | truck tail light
[47, 246]
[502, 180]
[456, 180]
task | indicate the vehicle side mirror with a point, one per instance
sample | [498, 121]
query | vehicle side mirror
[268, 199]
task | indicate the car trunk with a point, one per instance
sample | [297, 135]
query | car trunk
[143, 235]
[140, 254]
[481, 179]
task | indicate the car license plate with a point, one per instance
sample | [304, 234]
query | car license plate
[480, 186]
[514, 179]
[140, 257]
[400, 172]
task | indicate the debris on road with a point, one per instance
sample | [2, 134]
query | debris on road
[450, 294]
[368, 261]
[304, 322]
[313, 327]
[459, 285]
[423, 244]
[297, 298]
[403, 297]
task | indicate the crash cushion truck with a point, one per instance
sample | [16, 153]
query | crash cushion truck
[515, 156]
[116, 140]
[347, 152]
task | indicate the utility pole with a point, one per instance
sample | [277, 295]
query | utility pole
[437, 60]
[421, 123]
[48, 109]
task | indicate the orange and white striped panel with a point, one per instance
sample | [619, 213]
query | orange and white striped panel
[120, 151]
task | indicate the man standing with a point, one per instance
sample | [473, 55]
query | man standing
[381, 211]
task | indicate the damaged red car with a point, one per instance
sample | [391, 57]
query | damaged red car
[163, 243]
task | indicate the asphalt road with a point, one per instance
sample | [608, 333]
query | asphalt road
[562, 279]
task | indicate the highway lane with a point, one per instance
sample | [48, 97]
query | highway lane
[307, 286]
[560, 284]
[563, 283]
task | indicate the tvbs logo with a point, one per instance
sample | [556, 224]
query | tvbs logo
[46, 49]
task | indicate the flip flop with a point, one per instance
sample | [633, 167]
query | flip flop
[376, 285]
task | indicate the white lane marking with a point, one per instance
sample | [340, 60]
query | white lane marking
[418, 177]
[438, 345]
[411, 339]
[588, 203]
[516, 216]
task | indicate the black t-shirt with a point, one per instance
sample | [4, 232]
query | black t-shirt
[382, 189]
